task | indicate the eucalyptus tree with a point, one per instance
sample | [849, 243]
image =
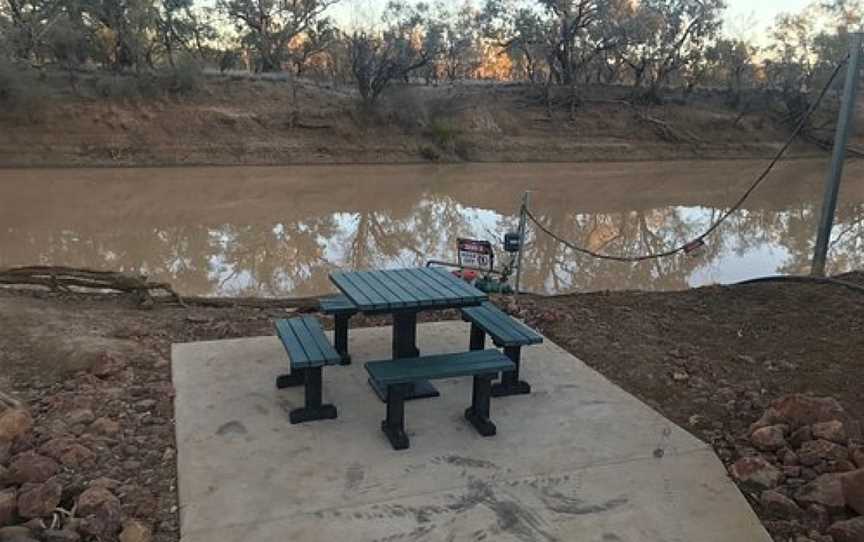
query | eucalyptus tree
[182, 28]
[665, 38]
[732, 64]
[269, 26]
[521, 32]
[406, 44]
[24, 25]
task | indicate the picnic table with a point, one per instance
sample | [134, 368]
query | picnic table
[404, 293]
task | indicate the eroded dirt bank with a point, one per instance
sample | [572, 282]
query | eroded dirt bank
[95, 373]
[240, 121]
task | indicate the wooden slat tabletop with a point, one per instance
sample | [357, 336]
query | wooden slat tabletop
[392, 290]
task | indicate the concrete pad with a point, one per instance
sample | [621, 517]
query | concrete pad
[578, 459]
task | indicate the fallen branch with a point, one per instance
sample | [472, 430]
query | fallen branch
[308, 303]
[666, 131]
[59, 278]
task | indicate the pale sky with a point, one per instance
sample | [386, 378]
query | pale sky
[744, 18]
[750, 18]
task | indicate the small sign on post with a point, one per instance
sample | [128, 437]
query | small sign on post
[476, 254]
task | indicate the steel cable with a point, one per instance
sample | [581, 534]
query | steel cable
[697, 241]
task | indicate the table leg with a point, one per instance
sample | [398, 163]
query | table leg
[405, 346]
[405, 335]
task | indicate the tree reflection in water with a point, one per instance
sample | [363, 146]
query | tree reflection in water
[280, 231]
[294, 256]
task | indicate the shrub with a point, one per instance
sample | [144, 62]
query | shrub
[444, 132]
[429, 153]
[118, 86]
[186, 77]
[19, 88]
[407, 107]
[15, 81]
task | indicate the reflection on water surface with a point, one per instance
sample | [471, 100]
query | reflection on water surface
[279, 231]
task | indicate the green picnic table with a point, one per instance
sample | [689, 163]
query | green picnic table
[404, 293]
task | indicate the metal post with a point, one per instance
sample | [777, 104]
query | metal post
[526, 199]
[835, 173]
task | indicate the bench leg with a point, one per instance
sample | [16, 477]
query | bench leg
[478, 412]
[340, 335]
[478, 338]
[295, 378]
[394, 425]
[313, 409]
[510, 383]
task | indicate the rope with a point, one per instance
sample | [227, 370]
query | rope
[713, 227]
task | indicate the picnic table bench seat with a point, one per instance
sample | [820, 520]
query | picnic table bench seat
[506, 333]
[342, 309]
[398, 377]
[308, 351]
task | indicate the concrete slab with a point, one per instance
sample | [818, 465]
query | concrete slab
[578, 459]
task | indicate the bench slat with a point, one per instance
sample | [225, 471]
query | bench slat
[305, 342]
[403, 371]
[292, 345]
[328, 354]
[313, 352]
[504, 330]
[337, 304]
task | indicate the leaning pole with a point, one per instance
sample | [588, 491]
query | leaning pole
[835, 172]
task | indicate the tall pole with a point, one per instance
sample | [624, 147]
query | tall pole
[526, 198]
[835, 172]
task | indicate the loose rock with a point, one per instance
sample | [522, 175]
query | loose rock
[857, 457]
[31, 467]
[80, 416]
[798, 409]
[39, 500]
[833, 431]
[8, 506]
[800, 436]
[848, 531]
[757, 473]
[14, 423]
[768, 438]
[105, 426]
[15, 534]
[61, 535]
[853, 490]
[135, 531]
[816, 451]
[778, 505]
[826, 490]
[100, 511]
[107, 364]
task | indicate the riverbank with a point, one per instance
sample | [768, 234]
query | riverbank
[95, 371]
[240, 121]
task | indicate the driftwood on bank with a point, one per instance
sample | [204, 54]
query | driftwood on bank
[70, 279]
[309, 303]
[88, 281]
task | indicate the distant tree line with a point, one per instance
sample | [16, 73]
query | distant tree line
[650, 45]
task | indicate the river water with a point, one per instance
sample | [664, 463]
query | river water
[277, 231]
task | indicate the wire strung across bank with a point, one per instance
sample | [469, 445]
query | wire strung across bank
[697, 241]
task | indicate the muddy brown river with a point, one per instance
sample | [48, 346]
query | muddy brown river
[277, 231]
